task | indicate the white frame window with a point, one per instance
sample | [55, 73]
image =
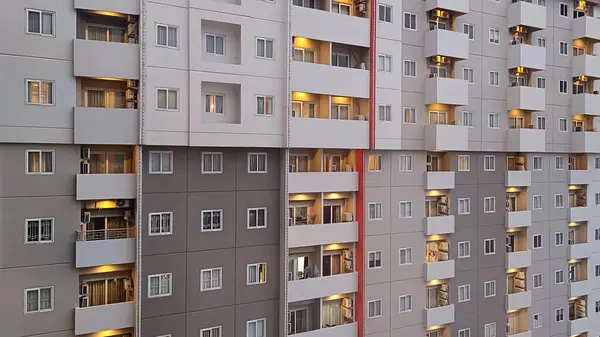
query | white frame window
[215, 103]
[494, 36]
[464, 206]
[411, 20]
[253, 271]
[168, 40]
[537, 241]
[464, 249]
[215, 159]
[493, 120]
[537, 163]
[467, 119]
[469, 29]
[562, 125]
[563, 48]
[40, 230]
[559, 201]
[489, 246]
[255, 325]
[563, 87]
[405, 209]
[384, 13]
[538, 281]
[264, 105]
[40, 92]
[537, 320]
[464, 293]
[489, 289]
[464, 163]
[211, 279]
[559, 276]
[255, 224]
[168, 99]
[38, 28]
[489, 204]
[541, 82]
[374, 259]
[384, 63]
[541, 122]
[405, 256]
[214, 44]
[257, 162]
[559, 315]
[541, 42]
[212, 220]
[410, 68]
[375, 211]
[559, 239]
[42, 166]
[267, 50]
[489, 163]
[489, 330]
[537, 202]
[405, 303]
[214, 331]
[376, 160]
[406, 163]
[410, 115]
[160, 223]
[563, 10]
[385, 112]
[165, 280]
[374, 308]
[559, 163]
[494, 78]
[464, 332]
[597, 234]
[162, 162]
[468, 75]
[37, 303]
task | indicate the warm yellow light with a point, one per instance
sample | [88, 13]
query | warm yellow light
[334, 196]
[573, 187]
[333, 246]
[334, 297]
[300, 42]
[510, 271]
[512, 190]
[435, 237]
[435, 327]
[511, 311]
[105, 269]
[106, 204]
[340, 100]
[109, 79]
[573, 224]
[434, 282]
[572, 261]
[301, 197]
[106, 13]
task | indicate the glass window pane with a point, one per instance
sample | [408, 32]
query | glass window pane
[270, 49]
[166, 162]
[219, 104]
[260, 48]
[172, 100]
[172, 38]
[33, 24]
[47, 24]
[32, 300]
[33, 92]
[161, 35]
[46, 299]
[47, 162]
[162, 99]
[220, 45]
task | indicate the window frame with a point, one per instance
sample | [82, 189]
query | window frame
[492, 245]
[409, 209]
[39, 82]
[496, 76]
[560, 48]
[387, 112]
[563, 122]
[167, 99]
[492, 166]
[268, 106]
[211, 211]
[559, 239]
[212, 154]
[213, 96]
[255, 321]
[170, 293]
[218, 327]
[176, 33]
[492, 32]
[467, 292]
[493, 120]
[408, 253]
[492, 203]
[211, 270]
[411, 15]
[215, 36]
[40, 152]
[375, 314]
[562, 315]
[404, 68]
[375, 203]
[560, 10]
[560, 272]
[39, 221]
[386, 8]
[387, 61]
[250, 209]
[566, 83]
[41, 13]
[541, 281]
[470, 29]
[160, 214]
[375, 260]
[38, 289]
[466, 244]
[489, 327]
[258, 281]
[406, 111]
[558, 197]
[162, 153]
[467, 202]
[539, 320]
[559, 163]
[492, 284]
[537, 239]
[537, 202]
[265, 39]
[258, 156]
[468, 161]
[467, 118]
[377, 161]
[407, 303]
[405, 163]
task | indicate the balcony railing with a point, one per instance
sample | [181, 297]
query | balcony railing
[106, 234]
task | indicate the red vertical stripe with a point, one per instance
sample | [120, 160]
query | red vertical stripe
[373, 75]
[360, 246]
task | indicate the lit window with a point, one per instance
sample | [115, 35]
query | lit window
[375, 163]
[215, 103]
[40, 161]
[40, 92]
[257, 273]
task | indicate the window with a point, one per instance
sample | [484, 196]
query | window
[597, 306]
[39, 299]
[597, 163]
[264, 106]
[494, 78]
[161, 223]
[559, 315]
[494, 36]
[489, 204]
[257, 218]
[467, 119]
[404, 256]
[464, 163]
[405, 209]
[410, 68]
[340, 60]
[489, 246]
[541, 42]
[559, 276]
[541, 82]
[410, 115]
[256, 328]
[537, 241]
[210, 332]
[597, 270]
[374, 309]
[166, 36]
[384, 63]
[564, 10]
[597, 198]
[167, 99]
[39, 230]
[215, 103]
[385, 13]
[537, 202]
[464, 249]
[562, 87]
[537, 163]
[160, 285]
[212, 220]
[597, 234]
[541, 122]
[375, 259]
[215, 44]
[559, 201]
[464, 333]
[559, 239]
[537, 320]
[469, 30]
[410, 21]
[210, 279]
[537, 281]
[559, 163]
[385, 113]
[340, 8]
[489, 163]
[489, 330]
[464, 206]
[161, 162]
[464, 293]
[212, 162]
[405, 303]
[562, 125]
[375, 211]
[257, 273]
[489, 289]
[375, 163]
[406, 163]
[264, 48]
[493, 121]
[468, 75]
[40, 161]
[40, 92]
[40, 22]
[257, 163]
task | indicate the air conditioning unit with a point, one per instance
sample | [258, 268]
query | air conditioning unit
[86, 218]
[83, 289]
[363, 65]
[83, 302]
[121, 203]
[85, 167]
[127, 215]
[433, 75]
[579, 129]
[85, 153]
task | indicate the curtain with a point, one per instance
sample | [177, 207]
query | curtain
[116, 35]
[172, 99]
[33, 25]
[47, 24]
[116, 162]
[33, 92]
[97, 163]
[252, 271]
[260, 105]
[155, 161]
[161, 35]
[32, 300]
[260, 48]
[47, 96]
[165, 284]
[115, 291]
[206, 279]
[96, 33]
[162, 99]
[166, 162]
[155, 224]
[96, 292]
[115, 99]
[154, 285]
[172, 37]
[96, 99]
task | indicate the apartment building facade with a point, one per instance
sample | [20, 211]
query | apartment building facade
[246, 168]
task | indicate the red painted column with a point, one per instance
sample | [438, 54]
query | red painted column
[359, 304]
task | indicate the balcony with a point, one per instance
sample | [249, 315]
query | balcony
[307, 182]
[580, 177]
[526, 98]
[329, 80]
[517, 301]
[332, 26]
[445, 90]
[100, 59]
[447, 43]
[585, 141]
[344, 330]
[106, 186]
[586, 27]
[521, 334]
[526, 56]
[586, 65]
[517, 260]
[322, 234]
[585, 104]
[106, 126]
[317, 287]
[526, 140]
[329, 133]
[456, 6]
[528, 14]
[581, 213]
[579, 251]
[515, 178]
[105, 247]
[435, 225]
[439, 270]
[439, 316]
[579, 326]
[580, 288]
[518, 219]
[445, 137]
[104, 317]
[440, 180]
[115, 6]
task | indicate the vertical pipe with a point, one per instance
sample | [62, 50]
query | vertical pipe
[359, 304]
